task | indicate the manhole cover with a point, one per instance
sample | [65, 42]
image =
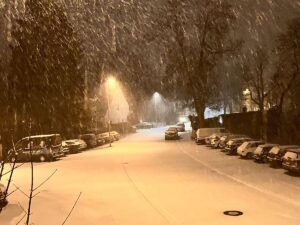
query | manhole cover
[233, 213]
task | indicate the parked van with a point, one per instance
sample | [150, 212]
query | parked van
[42, 147]
[202, 133]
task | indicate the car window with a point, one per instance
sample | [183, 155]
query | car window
[18, 145]
[275, 150]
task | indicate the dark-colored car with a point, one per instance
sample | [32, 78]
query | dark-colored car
[105, 138]
[291, 160]
[226, 138]
[89, 139]
[3, 201]
[144, 125]
[276, 154]
[42, 148]
[233, 144]
[171, 134]
[72, 146]
[261, 152]
[180, 127]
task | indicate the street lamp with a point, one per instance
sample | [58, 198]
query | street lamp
[110, 83]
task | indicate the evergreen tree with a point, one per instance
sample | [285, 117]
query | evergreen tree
[46, 79]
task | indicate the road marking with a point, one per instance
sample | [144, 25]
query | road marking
[153, 204]
[295, 203]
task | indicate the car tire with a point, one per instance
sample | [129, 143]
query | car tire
[265, 160]
[248, 155]
[42, 158]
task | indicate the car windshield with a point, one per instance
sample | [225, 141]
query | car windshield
[259, 150]
[230, 142]
[275, 150]
[244, 145]
[291, 155]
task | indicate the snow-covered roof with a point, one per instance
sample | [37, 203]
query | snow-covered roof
[41, 136]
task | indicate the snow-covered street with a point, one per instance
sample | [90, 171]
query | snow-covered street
[145, 180]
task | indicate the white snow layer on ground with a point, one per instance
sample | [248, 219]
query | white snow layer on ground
[144, 180]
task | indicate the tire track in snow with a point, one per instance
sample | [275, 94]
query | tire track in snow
[295, 203]
[165, 215]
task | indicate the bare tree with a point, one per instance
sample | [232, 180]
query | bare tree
[256, 76]
[199, 32]
[288, 69]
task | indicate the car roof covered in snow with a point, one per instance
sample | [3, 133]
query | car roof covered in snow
[41, 136]
[239, 139]
[268, 145]
[255, 141]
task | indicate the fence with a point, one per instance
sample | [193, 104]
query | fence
[282, 128]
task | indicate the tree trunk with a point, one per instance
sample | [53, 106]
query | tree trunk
[200, 109]
[264, 125]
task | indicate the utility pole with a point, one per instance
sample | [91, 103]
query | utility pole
[108, 113]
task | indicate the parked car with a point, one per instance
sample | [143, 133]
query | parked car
[102, 138]
[202, 133]
[42, 147]
[262, 151]
[3, 201]
[65, 148]
[291, 160]
[105, 138]
[233, 144]
[246, 150]
[89, 139]
[116, 135]
[180, 127]
[171, 134]
[82, 143]
[73, 146]
[275, 156]
[226, 138]
[213, 140]
[144, 125]
[215, 143]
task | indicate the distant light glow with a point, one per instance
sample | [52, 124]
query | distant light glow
[111, 81]
[182, 119]
[156, 95]
[246, 92]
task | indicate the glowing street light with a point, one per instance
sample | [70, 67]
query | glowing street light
[111, 81]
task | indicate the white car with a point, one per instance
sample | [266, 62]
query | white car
[246, 150]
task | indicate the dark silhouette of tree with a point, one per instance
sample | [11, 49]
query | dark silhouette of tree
[199, 37]
[257, 77]
[288, 68]
[46, 78]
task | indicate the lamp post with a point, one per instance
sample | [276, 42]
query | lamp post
[110, 83]
[156, 96]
